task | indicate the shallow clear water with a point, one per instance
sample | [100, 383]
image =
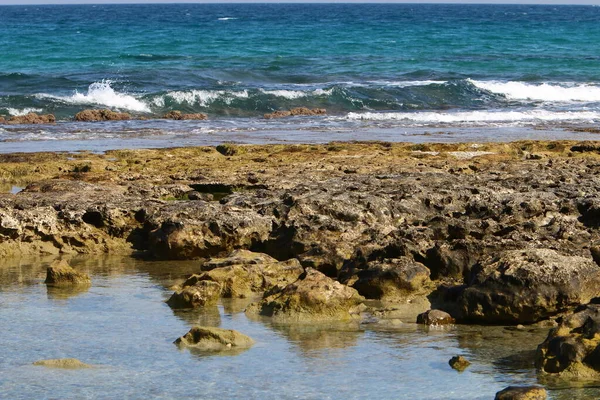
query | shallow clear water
[122, 325]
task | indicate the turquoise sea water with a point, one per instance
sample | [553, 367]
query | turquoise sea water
[381, 69]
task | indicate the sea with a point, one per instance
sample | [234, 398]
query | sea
[394, 72]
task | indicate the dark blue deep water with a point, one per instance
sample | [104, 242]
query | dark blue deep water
[380, 70]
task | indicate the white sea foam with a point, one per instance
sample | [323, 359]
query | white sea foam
[19, 112]
[200, 97]
[226, 18]
[402, 84]
[297, 94]
[479, 116]
[552, 92]
[101, 93]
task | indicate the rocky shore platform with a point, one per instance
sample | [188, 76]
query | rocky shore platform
[503, 233]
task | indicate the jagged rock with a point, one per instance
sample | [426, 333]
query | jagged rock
[66, 363]
[526, 286]
[296, 112]
[435, 318]
[2, 119]
[393, 279]
[214, 339]
[101, 115]
[572, 349]
[198, 294]
[522, 393]
[459, 363]
[60, 273]
[32, 118]
[313, 298]
[178, 115]
[244, 273]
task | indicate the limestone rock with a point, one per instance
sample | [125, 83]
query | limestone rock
[459, 363]
[526, 286]
[522, 393]
[32, 118]
[313, 298]
[66, 363]
[572, 349]
[60, 273]
[178, 115]
[296, 112]
[101, 115]
[395, 279]
[214, 339]
[198, 294]
[244, 274]
[435, 318]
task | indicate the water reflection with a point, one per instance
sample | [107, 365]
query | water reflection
[66, 292]
[202, 316]
[311, 339]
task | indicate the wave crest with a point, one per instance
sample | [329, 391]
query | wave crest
[552, 92]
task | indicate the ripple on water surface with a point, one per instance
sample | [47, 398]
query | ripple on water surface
[122, 326]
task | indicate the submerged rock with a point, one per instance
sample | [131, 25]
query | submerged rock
[313, 298]
[214, 339]
[393, 279]
[60, 273]
[459, 363]
[32, 118]
[101, 115]
[298, 111]
[178, 115]
[572, 349]
[196, 294]
[435, 318]
[526, 286]
[522, 393]
[66, 363]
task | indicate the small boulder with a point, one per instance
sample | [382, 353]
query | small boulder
[522, 393]
[2, 120]
[60, 273]
[435, 318]
[459, 363]
[65, 363]
[214, 339]
[244, 275]
[313, 298]
[101, 115]
[198, 294]
[572, 349]
[32, 118]
[179, 116]
[393, 279]
[526, 286]
[298, 111]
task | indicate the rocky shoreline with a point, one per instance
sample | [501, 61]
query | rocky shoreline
[489, 233]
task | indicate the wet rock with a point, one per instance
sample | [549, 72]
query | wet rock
[298, 111]
[179, 116]
[245, 274]
[2, 119]
[572, 349]
[101, 115]
[65, 363]
[526, 286]
[393, 279]
[522, 393]
[32, 118]
[435, 318]
[196, 294]
[214, 339]
[313, 298]
[60, 273]
[459, 363]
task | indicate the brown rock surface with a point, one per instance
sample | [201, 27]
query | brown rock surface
[101, 115]
[294, 112]
[435, 318]
[522, 393]
[313, 298]
[178, 115]
[214, 339]
[60, 273]
[32, 118]
[65, 363]
[199, 294]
